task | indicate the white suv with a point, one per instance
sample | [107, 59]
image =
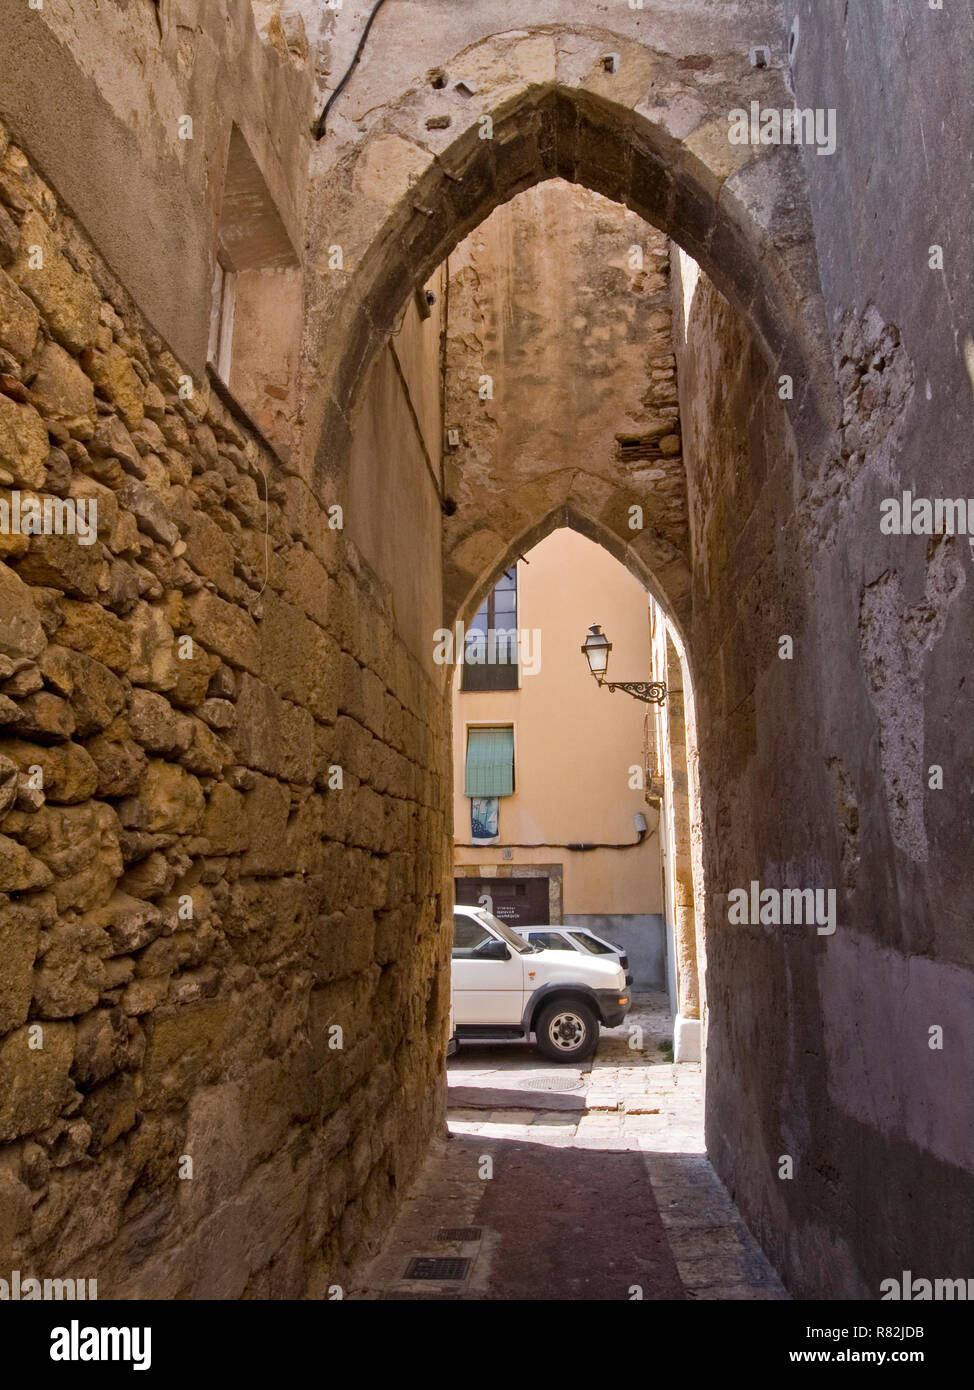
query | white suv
[507, 988]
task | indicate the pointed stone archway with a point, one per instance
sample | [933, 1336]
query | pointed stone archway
[393, 205]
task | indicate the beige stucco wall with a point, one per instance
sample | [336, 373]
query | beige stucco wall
[574, 744]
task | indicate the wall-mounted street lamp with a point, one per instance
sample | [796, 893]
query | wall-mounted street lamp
[596, 648]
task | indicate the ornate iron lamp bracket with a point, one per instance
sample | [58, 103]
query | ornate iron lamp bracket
[652, 692]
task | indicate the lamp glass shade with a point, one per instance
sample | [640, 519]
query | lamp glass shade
[596, 648]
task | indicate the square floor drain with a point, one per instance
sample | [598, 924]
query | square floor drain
[459, 1233]
[436, 1267]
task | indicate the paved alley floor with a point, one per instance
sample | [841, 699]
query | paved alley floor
[560, 1182]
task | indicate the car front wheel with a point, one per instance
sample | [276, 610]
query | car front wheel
[567, 1031]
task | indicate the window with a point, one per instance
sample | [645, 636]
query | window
[550, 940]
[490, 657]
[255, 314]
[490, 762]
[467, 936]
[221, 317]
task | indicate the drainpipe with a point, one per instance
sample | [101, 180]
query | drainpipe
[444, 345]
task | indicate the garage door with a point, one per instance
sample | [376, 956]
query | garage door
[523, 902]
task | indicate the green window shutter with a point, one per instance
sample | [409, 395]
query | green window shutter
[490, 762]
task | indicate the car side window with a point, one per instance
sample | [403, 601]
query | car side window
[551, 940]
[467, 936]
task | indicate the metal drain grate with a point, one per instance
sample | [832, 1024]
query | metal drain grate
[551, 1083]
[399, 1296]
[458, 1233]
[436, 1267]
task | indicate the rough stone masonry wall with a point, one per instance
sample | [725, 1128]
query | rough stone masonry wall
[189, 907]
[817, 1046]
[562, 299]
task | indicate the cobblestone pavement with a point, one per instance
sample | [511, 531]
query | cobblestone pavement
[578, 1183]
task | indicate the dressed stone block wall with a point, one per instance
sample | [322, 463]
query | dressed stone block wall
[222, 833]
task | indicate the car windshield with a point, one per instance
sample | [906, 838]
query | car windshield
[523, 948]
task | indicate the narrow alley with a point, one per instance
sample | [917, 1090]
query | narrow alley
[572, 1183]
[486, 755]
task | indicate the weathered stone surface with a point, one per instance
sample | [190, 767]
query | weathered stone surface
[9, 777]
[298, 659]
[150, 511]
[169, 798]
[29, 798]
[193, 676]
[69, 975]
[152, 875]
[209, 551]
[19, 934]
[9, 237]
[117, 381]
[181, 951]
[45, 717]
[68, 301]
[219, 714]
[271, 734]
[111, 1111]
[206, 755]
[61, 391]
[121, 708]
[391, 165]
[225, 824]
[112, 440]
[19, 870]
[21, 632]
[23, 443]
[95, 695]
[129, 922]
[101, 1046]
[183, 1047]
[19, 320]
[119, 759]
[216, 1138]
[68, 772]
[156, 725]
[89, 628]
[64, 564]
[81, 487]
[13, 545]
[24, 682]
[267, 918]
[79, 844]
[34, 1081]
[267, 808]
[226, 630]
[153, 659]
